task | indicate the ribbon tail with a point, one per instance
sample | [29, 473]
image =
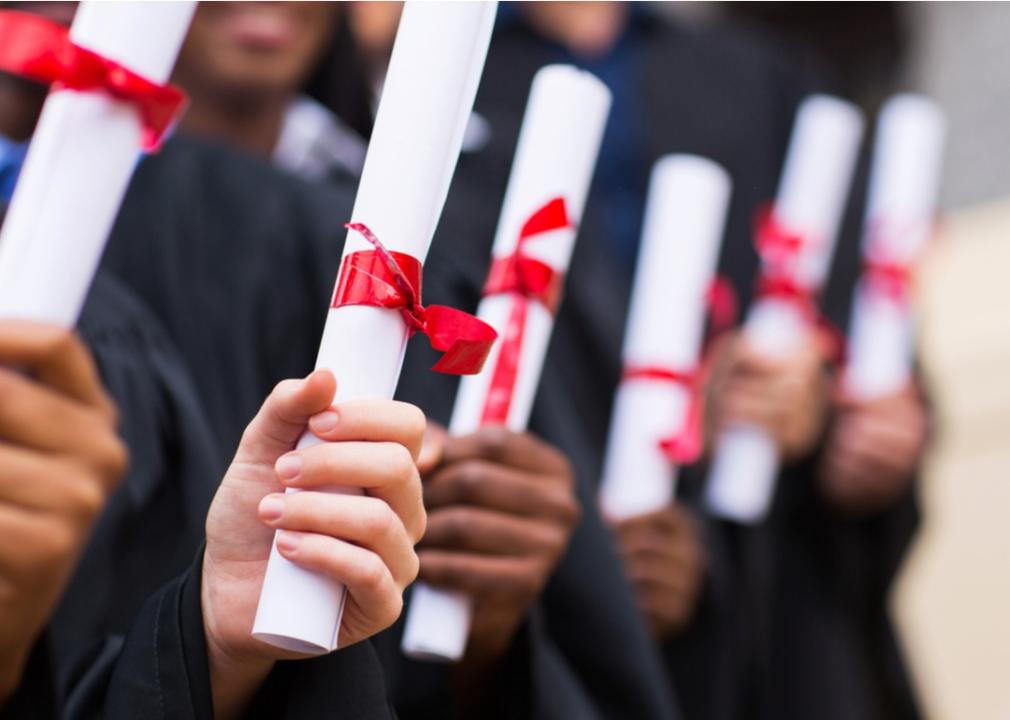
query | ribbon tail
[686, 446]
[506, 370]
[464, 340]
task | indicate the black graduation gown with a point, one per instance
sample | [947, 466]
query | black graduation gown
[770, 615]
[119, 646]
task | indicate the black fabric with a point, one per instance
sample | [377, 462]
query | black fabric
[36, 697]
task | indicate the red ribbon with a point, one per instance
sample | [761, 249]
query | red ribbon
[780, 250]
[526, 279]
[685, 445]
[891, 279]
[888, 277]
[41, 50]
[380, 278]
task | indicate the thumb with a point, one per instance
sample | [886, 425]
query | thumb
[284, 417]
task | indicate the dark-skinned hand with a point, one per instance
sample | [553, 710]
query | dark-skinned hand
[665, 562]
[873, 450]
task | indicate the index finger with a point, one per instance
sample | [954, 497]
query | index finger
[372, 421]
[56, 357]
[498, 444]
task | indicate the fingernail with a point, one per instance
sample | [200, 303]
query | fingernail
[324, 422]
[287, 542]
[288, 466]
[272, 507]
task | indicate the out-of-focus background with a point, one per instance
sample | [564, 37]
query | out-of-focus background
[952, 600]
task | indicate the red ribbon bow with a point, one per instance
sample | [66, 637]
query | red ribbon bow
[392, 280]
[525, 278]
[780, 250]
[888, 277]
[685, 445]
[41, 50]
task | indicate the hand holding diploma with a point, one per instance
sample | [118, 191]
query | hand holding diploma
[365, 542]
[795, 240]
[879, 430]
[107, 104]
[558, 144]
[61, 458]
[664, 560]
[502, 508]
[428, 96]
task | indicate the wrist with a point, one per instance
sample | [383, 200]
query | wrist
[235, 674]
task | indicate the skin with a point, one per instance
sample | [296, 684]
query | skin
[787, 396]
[242, 62]
[365, 542]
[665, 562]
[61, 458]
[501, 511]
[587, 29]
[873, 450]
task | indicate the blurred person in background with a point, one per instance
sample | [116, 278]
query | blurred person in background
[783, 620]
[281, 80]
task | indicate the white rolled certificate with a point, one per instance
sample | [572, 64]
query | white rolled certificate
[684, 220]
[904, 182]
[809, 205]
[79, 164]
[427, 97]
[558, 144]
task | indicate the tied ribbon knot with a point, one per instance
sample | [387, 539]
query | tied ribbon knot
[684, 446]
[526, 279]
[883, 273]
[41, 50]
[392, 280]
[780, 250]
[890, 279]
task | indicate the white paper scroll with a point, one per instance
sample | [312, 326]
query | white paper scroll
[428, 95]
[811, 197]
[904, 182]
[555, 157]
[79, 164]
[684, 220]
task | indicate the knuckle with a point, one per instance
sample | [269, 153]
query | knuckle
[467, 481]
[492, 440]
[412, 569]
[371, 573]
[455, 525]
[415, 421]
[61, 342]
[381, 522]
[112, 459]
[401, 462]
[85, 498]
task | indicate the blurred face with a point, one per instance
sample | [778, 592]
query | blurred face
[244, 49]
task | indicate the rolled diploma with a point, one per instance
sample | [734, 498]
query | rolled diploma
[555, 156]
[810, 201]
[684, 221]
[904, 182]
[428, 95]
[79, 165]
